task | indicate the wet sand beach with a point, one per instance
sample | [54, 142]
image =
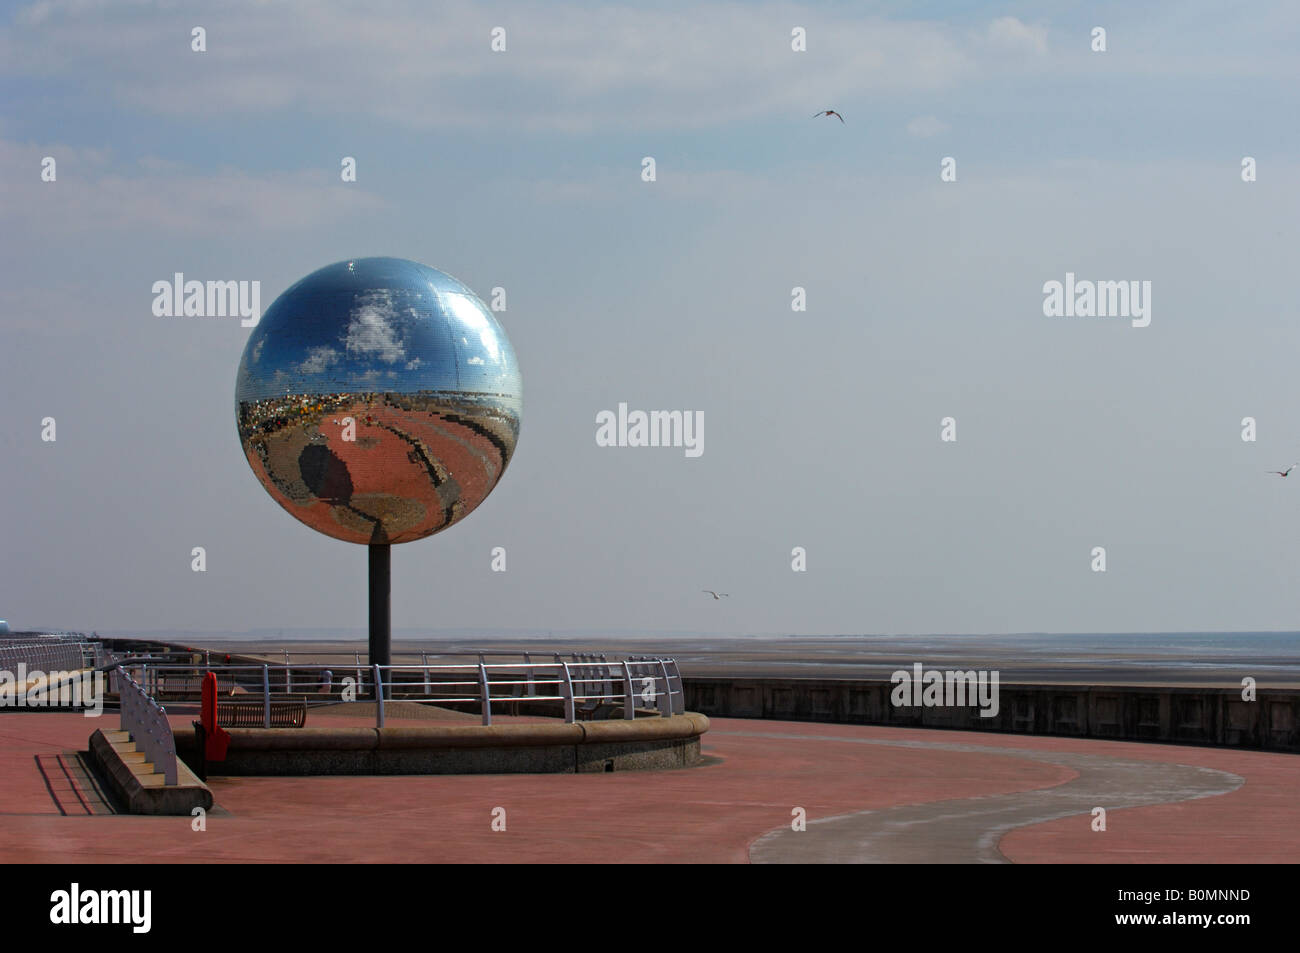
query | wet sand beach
[1173, 660]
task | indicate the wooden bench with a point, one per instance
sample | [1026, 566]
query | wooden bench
[178, 687]
[250, 713]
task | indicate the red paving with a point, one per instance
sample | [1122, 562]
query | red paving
[1256, 824]
[710, 813]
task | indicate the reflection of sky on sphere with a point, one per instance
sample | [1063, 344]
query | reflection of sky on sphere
[377, 324]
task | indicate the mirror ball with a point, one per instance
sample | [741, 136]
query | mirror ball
[378, 400]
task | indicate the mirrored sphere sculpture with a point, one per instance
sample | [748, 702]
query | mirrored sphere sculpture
[378, 400]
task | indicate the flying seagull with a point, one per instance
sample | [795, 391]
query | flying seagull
[829, 112]
[715, 595]
[1285, 472]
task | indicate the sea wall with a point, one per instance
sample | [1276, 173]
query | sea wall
[1201, 716]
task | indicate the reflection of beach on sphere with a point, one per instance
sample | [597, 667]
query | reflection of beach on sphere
[419, 462]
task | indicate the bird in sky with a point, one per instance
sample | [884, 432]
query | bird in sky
[715, 595]
[829, 112]
[1285, 472]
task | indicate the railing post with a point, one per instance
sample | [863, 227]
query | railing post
[266, 697]
[124, 704]
[629, 700]
[424, 660]
[168, 758]
[666, 699]
[357, 657]
[566, 689]
[680, 706]
[379, 697]
[528, 667]
[484, 695]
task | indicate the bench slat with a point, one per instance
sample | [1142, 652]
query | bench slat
[250, 714]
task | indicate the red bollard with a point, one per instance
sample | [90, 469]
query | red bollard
[215, 738]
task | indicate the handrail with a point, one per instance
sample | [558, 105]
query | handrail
[587, 682]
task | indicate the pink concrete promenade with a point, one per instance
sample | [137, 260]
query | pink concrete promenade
[954, 794]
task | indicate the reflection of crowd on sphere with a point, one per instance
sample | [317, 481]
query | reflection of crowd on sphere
[271, 414]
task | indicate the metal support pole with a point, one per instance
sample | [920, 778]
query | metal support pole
[666, 699]
[168, 763]
[483, 692]
[379, 697]
[123, 709]
[566, 689]
[381, 633]
[266, 697]
[629, 700]
[680, 706]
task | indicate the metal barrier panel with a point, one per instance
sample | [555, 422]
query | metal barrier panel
[48, 655]
[146, 722]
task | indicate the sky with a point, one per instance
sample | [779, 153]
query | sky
[523, 169]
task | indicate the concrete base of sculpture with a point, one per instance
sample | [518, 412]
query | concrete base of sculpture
[584, 747]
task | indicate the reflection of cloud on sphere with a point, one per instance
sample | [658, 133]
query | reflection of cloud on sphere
[371, 330]
[378, 400]
[318, 359]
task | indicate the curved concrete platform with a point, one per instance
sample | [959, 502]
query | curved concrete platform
[714, 813]
[441, 748]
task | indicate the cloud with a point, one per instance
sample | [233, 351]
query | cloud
[1010, 33]
[926, 126]
[92, 194]
[371, 331]
[567, 65]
